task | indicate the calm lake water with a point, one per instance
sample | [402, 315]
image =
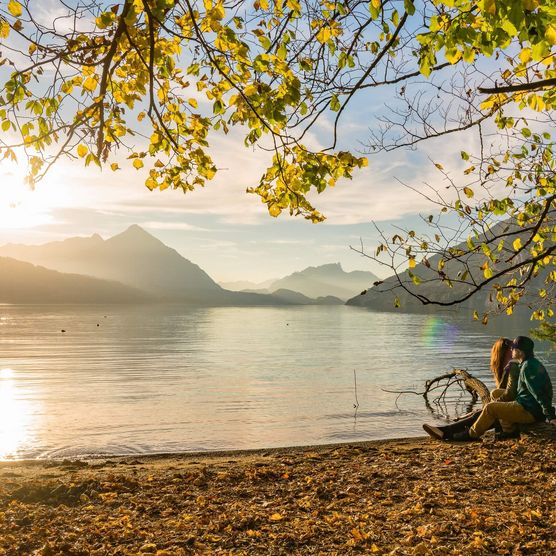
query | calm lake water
[133, 380]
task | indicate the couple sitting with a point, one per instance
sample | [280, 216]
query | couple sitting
[523, 395]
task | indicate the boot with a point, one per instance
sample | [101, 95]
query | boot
[435, 432]
[446, 432]
[507, 435]
[465, 437]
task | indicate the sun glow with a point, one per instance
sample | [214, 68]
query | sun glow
[19, 207]
[24, 207]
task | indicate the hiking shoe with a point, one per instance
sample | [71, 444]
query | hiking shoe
[464, 437]
[434, 432]
[510, 435]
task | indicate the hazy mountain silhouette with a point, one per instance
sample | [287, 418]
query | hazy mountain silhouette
[133, 257]
[297, 298]
[326, 280]
[246, 285]
[137, 259]
[22, 282]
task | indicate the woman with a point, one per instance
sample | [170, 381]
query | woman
[506, 374]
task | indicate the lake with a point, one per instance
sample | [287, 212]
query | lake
[152, 379]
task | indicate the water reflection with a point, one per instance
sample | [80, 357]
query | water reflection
[167, 379]
[15, 416]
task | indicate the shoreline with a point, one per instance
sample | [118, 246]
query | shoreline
[213, 454]
[413, 496]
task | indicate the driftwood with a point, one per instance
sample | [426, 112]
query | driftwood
[474, 386]
[451, 389]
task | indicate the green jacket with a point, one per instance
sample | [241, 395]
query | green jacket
[534, 389]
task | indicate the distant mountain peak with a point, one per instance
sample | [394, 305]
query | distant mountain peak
[331, 266]
[135, 229]
[135, 235]
[325, 280]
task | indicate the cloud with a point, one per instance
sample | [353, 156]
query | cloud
[156, 225]
[63, 18]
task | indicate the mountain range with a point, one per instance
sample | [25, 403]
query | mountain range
[134, 266]
[22, 282]
[317, 281]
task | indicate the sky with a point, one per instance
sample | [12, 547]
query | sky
[220, 227]
[224, 230]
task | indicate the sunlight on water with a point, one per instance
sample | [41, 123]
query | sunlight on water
[14, 416]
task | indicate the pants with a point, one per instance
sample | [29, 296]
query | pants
[508, 413]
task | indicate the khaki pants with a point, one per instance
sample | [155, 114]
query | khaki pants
[496, 393]
[508, 413]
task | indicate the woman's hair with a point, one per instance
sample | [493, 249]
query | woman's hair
[500, 355]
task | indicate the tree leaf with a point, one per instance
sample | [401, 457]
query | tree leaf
[15, 8]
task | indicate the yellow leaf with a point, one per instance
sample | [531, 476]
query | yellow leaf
[276, 517]
[517, 244]
[525, 55]
[82, 151]
[274, 210]
[453, 55]
[138, 163]
[536, 103]
[15, 8]
[439, 166]
[550, 35]
[4, 29]
[210, 173]
[250, 90]
[324, 34]
[114, 166]
[412, 263]
[90, 84]
[193, 102]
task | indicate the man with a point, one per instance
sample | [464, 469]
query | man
[533, 401]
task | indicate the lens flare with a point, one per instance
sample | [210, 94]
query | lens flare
[439, 334]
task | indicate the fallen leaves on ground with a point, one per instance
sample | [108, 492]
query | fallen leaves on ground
[413, 497]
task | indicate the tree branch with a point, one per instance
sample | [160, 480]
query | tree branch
[519, 87]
